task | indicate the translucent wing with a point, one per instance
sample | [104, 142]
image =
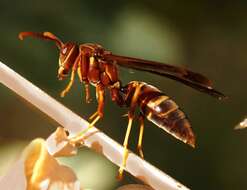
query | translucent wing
[190, 78]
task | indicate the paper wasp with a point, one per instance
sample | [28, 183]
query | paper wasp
[96, 66]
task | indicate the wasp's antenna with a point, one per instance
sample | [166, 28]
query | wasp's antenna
[44, 35]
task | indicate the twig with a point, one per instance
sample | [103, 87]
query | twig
[75, 124]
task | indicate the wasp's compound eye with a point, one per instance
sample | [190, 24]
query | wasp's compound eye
[64, 50]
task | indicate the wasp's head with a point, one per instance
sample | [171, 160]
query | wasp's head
[68, 51]
[67, 57]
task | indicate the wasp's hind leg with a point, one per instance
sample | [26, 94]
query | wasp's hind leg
[125, 144]
[126, 139]
[139, 145]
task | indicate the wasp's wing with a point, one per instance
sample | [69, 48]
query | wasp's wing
[192, 79]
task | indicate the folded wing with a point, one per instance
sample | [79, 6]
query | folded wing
[185, 76]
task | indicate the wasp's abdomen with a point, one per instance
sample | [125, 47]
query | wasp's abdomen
[165, 113]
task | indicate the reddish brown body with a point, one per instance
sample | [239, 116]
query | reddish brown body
[96, 70]
[98, 67]
[158, 108]
[92, 69]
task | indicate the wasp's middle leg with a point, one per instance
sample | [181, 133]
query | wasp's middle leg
[100, 93]
[82, 66]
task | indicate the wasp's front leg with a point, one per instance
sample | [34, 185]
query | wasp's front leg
[72, 77]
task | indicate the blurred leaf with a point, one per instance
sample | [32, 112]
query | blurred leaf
[38, 170]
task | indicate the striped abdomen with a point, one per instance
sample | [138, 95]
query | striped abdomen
[165, 113]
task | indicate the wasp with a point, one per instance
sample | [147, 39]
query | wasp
[97, 66]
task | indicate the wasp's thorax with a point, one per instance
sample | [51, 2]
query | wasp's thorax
[67, 57]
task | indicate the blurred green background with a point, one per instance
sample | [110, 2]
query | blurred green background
[209, 37]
